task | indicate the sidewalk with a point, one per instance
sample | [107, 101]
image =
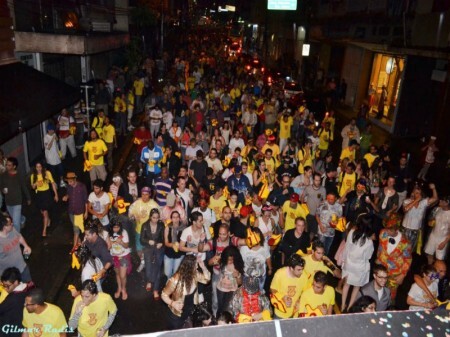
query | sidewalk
[50, 261]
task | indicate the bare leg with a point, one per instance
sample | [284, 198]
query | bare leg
[45, 222]
[353, 296]
[345, 289]
[123, 280]
[119, 283]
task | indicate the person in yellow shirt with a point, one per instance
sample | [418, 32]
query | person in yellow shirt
[139, 211]
[287, 286]
[130, 109]
[286, 122]
[272, 146]
[92, 312]
[110, 139]
[98, 122]
[319, 299]
[120, 109]
[325, 137]
[93, 153]
[41, 180]
[350, 151]
[305, 156]
[217, 201]
[347, 179]
[271, 164]
[371, 156]
[290, 211]
[316, 262]
[138, 88]
[41, 319]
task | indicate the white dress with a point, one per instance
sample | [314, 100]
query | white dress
[356, 266]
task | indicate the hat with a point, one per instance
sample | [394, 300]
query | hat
[122, 205]
[266, 208]
[294, 197]
[170, 199]
[146, 189]
[268, 132]
[362, 181]
[274, 240]
[353, 142]
[271, 138]
[50, 127]
[238, 169]
[393, 221]
[71, 175]
[245, 211]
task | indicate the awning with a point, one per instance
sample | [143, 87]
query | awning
[29, 97]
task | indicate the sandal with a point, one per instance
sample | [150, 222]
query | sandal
[148, 287]
[117, 293]
[124, 295]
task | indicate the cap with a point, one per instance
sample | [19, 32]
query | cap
[238, 169]
[362, 181]
[245, 211]
[50, 127]
[266, 208]
[271, 138]
[71, 175]
[294, 197]
[146, 189]
[170, 199]
[393, 221]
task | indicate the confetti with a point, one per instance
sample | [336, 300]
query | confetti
[380, 322]
[407, 317]
[389, 315]
[429, 327]
[373, 321]
[304, 330]
[388, 326]
[404, 334]
[406, 325]
[388, 333]
[383, 320]
[430, 334]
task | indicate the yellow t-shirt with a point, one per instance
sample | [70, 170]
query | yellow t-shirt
[119, 105]
[3, 293]
[217, 205]
[348, 153]
[285, 127]
[108, 133]
[325, 137]
[141, 212]
[138, 86]
[311, 267]
[48, 323]
[308, 162]
[95, 315]
[348, 181]
[310, 302]
[95, 147]
[271, 164]
[285, 285]
[291, 215]
[43, 184]
[274, 147]
[235, 93]
[370, 158]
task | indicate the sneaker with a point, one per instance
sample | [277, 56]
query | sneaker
[141, 266]
[62, 184]
[131, 128]
[140, 172]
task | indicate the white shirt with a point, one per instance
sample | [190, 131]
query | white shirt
[191, 241]
[99, 204]
[209, 216]
[52, 154]
[413, 218]
[155, 117]
[392, 246]
[420, 296]
[168, 119]
[215, 164]
[64, 122]
[234, 143]
[117, 249]
[442, 227]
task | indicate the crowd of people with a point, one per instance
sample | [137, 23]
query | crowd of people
[236, 196]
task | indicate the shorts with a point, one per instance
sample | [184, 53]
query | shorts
[76, 229]
[432, 244]
[123, 261]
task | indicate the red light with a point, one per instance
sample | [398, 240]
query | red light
[262, 69]
[247, 67]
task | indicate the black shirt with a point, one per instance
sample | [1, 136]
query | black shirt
[290, 243]
[100, 249]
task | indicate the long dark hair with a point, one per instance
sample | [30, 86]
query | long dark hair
[364, 229]
[187, 271]
[361, 304]
[34, 172]
[232, 251]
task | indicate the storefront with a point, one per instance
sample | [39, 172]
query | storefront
[384, 88]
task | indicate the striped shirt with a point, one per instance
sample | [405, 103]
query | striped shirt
[162, 187]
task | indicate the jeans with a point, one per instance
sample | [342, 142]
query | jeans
[154, 259]
[327, 241]
[15, 212]
[171, 265]
[223, 299]
[181, 122]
